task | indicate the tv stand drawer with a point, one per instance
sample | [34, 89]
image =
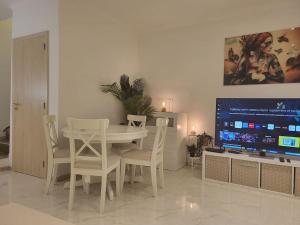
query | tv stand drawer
[217, 168]
[276, 178]
[244, 172]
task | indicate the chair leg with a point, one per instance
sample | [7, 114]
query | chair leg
[154, 180]
[118, 181]
[103, 193]
[72, 190]
[133, 169]
[123, 170]
[109, 189]
[54, 176]
[161, 175]
[86, 180]
[142, 171]
[84, 186]
[49, 177]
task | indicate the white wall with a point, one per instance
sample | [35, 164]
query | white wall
[5, 70]
[95, 50]
[34, 16]
[187, 63]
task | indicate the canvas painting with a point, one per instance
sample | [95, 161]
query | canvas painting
[263, 58]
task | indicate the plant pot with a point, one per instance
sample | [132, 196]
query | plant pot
[192, 154]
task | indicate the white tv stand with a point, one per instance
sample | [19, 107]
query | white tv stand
[260, 172]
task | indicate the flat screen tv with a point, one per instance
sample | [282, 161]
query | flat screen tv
[272, 125]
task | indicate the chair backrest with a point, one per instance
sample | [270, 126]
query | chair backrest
[160, 137]
[50, 134]
[136, 120]
[89, 132]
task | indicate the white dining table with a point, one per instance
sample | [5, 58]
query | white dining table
[114, 134]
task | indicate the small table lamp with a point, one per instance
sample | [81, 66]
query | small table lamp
[163, 107]
[193, 132]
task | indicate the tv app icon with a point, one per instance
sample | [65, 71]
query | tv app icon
[238, 124]
[257, 126]
[251, 125]
[271, 126]
[245, 125]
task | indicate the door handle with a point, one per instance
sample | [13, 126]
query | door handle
[16, 105]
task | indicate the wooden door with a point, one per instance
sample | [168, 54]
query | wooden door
[29, 103]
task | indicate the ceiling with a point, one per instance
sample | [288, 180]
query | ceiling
[154, 15]
[5, 11]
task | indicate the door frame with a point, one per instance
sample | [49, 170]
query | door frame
[42, 33]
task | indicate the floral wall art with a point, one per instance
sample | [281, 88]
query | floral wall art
[263, 58]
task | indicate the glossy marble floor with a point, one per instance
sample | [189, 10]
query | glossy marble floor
[186, 200]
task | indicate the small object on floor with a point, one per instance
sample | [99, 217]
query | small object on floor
[234, 151]
[281, 159]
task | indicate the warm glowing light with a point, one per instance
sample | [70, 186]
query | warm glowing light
[293, 28]
[178, 127]
[193, 132]
[193, 205]
[193, 128]
[164, 104]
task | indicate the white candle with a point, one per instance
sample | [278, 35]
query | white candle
[193, 128]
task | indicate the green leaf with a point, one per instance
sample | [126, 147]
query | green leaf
[131, 96]
[114, 89]
[139, 105]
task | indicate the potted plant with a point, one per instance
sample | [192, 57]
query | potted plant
[203, 139]
[131, 95]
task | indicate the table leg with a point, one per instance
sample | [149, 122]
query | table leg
[109, 189]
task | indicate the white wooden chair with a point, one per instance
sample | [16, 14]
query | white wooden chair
[56, 155]
[122, 148]
[134, 121]
[88, 161]
[152, 158]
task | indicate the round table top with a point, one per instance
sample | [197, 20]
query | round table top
[115, 133]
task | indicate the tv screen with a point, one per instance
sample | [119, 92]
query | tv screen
[258, 124]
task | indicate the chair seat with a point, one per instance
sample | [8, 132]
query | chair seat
[122, 148]
[137, 154]
[112, 161]
[62, 153]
